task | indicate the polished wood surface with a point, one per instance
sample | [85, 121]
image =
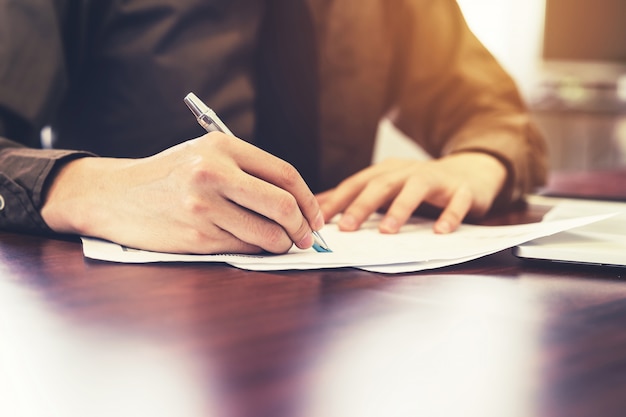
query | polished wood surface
[493, 337]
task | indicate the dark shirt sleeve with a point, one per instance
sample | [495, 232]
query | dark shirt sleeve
[24, 175]
[32, 81]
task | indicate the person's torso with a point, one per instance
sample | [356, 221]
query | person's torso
[306, 79]
[138, 60]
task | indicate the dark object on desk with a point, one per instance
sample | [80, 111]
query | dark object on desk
[587, 185]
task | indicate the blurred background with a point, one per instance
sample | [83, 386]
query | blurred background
[569, 60]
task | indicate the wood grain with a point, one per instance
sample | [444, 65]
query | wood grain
[492, 337]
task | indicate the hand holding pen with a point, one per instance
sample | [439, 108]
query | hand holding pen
[211, 194]
[212, 123]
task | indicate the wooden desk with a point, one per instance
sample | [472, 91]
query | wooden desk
[492, 337]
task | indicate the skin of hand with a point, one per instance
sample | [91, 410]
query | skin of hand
[460, 184]
[212, 194]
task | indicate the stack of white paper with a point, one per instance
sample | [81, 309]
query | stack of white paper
[415, 248]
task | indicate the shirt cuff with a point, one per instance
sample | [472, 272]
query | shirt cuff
[24, 175]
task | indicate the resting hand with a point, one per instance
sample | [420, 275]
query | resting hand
[208, 195]
[459, 184]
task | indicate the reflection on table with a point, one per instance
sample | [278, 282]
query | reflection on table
[492, 337]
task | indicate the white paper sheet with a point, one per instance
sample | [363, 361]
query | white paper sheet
[415, 248]
[599, 243]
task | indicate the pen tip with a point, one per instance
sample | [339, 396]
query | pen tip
[320, 244]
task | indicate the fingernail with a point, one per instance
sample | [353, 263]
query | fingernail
[347, 222]
[306, 242]
[443, 227]
[389, 225]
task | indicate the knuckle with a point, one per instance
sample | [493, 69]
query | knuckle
[402, 207]
[206, 241]
[302, 229]
[201, 174]
[188, 239]
[193, 205]
[358, 212]
[289, 175]
[195, 239]
[311, 203]
[285, 206]
[276, 240]
[383, 185]
[363, 207]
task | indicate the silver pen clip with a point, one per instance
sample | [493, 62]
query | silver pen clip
[205, 116]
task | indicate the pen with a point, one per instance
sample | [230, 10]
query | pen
[211, 123]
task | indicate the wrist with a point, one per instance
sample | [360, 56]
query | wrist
[73, 201]
[487, 175]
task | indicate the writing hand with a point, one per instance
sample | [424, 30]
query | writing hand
[460, 184]
[212, 194]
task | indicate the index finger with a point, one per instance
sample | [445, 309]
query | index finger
[454, 213]
[283, 175]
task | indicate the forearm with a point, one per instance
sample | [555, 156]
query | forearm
[516, 143]
[455, 97]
